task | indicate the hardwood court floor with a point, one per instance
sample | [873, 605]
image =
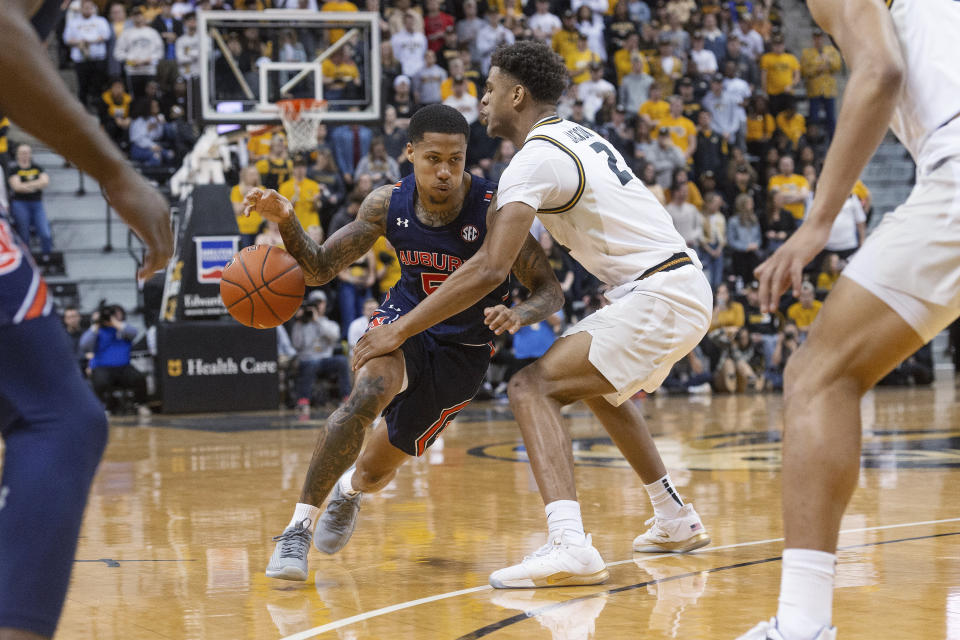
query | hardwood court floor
[178, 531]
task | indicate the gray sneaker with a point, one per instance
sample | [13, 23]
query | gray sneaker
[338, 521]
[289, 559]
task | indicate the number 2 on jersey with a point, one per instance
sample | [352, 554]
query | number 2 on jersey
[624, 176]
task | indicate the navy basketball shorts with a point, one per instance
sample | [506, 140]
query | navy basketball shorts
[442, 378]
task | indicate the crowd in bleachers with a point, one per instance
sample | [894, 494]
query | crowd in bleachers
[702, 98]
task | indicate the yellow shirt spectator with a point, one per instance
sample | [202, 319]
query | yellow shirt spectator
[4, 128]
[817, 69]
[623, 63]
[780, 68]
[259, 145]
[825, 281]
[694, 196]
[793, 182]
[336, 34]
[273, 174]
[802, 317]
[655, 110]
[860, 190]
[339, 73]
[681, 128]
[732, 316]
[303, 195]
[564, 42]
[760, 127]
[446, 88]
[248, 225]
[389, 268]
[578, 63]
[793, 126]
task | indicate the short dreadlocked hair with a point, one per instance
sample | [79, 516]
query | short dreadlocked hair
[536, 66]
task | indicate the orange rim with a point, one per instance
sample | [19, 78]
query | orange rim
[293, 107]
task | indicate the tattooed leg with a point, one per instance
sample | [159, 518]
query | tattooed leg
[342, 436]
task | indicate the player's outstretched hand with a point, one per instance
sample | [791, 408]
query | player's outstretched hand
[148, 214]
[785, 267]
[501, 318]
[378, 341]
[268, 203]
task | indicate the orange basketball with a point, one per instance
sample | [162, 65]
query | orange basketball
[262, 287]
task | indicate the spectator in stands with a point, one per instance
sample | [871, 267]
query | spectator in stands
[728, 314]
[228, 86]
[435, 24]
[73, 323]
[635, 86]
[849, 228]
[353, 287]
[655, 108]
[648, 175]
[543, 23]
[403, 100]
[592, 92]
[779, 74]
[760, 125]
[686, 217]
[791, 127]
[469, 26]
[379, 165]
[819, 66]
[780, 225]
[147, 133]
[428, 82]
[188, 48]
[804, 311]
[109, 341]
[249, 226]
[277, 167]
[665, 157]
[714, 39]
[667, 68]
[711, 150]
[170, 29]
[683, 133]
[314, 336]
[140, 48]
[618, 131]
[180, 135]
[788, 189]
[115, 113]
[745, 65]
[341, 76]
[590, 23]
[703, 61]
[579, 59]
[713, 239]
[87, 37]
[27, 181]
[750, 39]
[450, 50]
[916, 369]
[788, 341]
[623, 58]
[744, 237]
[564, 40]
[830, 270]
[359, 325]
[742, 182]
[269, 234]
[491, 35]
[728, 115]
[409, 46]
[462, 100]
[117, 17]
[303, 193]
[744, 364]
[394, 135]
[332, 191]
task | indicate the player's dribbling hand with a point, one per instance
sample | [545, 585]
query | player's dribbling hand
[268, 203]
[148, 214]
[378, 341]
[785, 267]
[501, 318]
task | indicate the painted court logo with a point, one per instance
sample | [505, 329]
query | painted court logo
[213, 254]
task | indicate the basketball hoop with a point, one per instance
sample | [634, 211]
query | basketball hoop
[301, 119]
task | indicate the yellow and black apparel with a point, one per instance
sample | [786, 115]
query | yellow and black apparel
[26, 175]
[274, 172]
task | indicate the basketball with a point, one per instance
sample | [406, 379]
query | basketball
[262, 287]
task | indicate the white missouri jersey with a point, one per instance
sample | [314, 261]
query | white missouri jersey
[928, 31]
[590, 202]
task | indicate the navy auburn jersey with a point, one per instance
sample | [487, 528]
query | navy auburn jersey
[46, 17]
[429, 254]
[23, 292]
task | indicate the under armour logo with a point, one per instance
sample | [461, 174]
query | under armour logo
[3, 496]
[402, 222]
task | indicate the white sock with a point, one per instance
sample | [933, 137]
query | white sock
[806, 592]
[564, 515]
[665, 498]
[302, 512]
[346, 484]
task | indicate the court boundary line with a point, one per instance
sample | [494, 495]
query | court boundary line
[400, 606]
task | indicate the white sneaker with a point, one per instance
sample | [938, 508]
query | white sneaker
[676, 535]
[556, 564]
[769, 631]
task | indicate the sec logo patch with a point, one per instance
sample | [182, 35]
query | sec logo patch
[469, 233]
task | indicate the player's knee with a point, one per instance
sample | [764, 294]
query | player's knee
[91, 426]
[524, 384]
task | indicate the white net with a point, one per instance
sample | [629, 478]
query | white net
[301, 119]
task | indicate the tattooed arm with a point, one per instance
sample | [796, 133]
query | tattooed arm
[546, 295]
[322, 263]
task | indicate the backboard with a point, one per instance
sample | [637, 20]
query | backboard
[252, 59]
